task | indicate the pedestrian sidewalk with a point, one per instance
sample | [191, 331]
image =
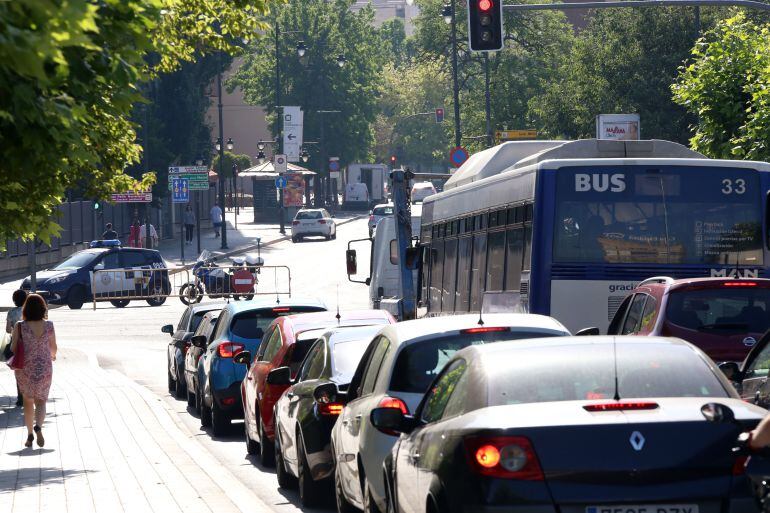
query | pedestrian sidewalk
[110, 446]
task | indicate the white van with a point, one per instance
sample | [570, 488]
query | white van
[422, 190]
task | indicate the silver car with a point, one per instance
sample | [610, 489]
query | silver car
[378, 213]
[313, 222]
[396, 370]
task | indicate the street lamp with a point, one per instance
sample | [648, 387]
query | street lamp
[261, 146]
[305, 156]
[301, 48]
[446, 12]
[230, 144]
[219, 144]
[261, 157]
[341, 61]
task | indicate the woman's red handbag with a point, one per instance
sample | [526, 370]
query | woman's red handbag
[16, 361]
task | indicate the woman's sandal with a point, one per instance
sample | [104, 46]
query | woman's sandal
[40, 439]
[28, 443]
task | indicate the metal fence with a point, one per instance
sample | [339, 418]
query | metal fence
[155, 285]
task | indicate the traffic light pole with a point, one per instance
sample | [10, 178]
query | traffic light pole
[222, 181]
[488, 99]
[455, 83]
[281, 214]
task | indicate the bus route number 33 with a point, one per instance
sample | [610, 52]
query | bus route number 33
[737, 186]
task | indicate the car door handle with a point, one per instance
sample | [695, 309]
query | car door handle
[249, 378]
[358, 417]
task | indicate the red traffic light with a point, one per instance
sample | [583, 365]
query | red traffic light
[393, 160]
[486, 5]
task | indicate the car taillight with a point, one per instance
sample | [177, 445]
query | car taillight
[229, 349]
[278, 309]
[509, 457]
[322, 221]
[484, 329]
[621, 405]
[394, 402]
[739, 284]
[295, 223]
[330, 409]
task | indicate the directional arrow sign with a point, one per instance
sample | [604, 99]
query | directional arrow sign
[292, 132]
[291, 136]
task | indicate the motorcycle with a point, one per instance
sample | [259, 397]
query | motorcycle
[217, 282]
[252, 263]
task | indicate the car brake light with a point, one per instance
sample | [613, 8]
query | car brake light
[330, 409]
[282, 309]
[621, 405]
[394, 402]
[322, 221]
[485, 329]
[740, 284]
[229, 349]
[509, 457]
[295, 223]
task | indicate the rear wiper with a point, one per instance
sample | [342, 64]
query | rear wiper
[724, 326]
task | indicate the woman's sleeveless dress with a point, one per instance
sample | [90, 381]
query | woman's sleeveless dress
[35, 378]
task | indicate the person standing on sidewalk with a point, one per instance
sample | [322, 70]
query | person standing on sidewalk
[14, 316]
[143, 236]
[37, 336]
[109, 233]
[216, 219]
[189, 224]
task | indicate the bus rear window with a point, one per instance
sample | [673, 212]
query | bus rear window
[667, 215]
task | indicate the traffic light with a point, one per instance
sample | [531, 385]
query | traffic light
[439, 115]
[485, 25]
[393, 161]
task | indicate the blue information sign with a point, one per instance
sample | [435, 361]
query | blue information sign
[334, 165]
[180, 190]
[280, 182]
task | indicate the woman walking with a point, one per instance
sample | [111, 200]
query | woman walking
[38, 339]
[189, 224]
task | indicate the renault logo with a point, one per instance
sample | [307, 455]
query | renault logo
[637, 441]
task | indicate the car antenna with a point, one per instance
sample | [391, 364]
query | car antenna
[481, 320]
[338, 316]
[615, 363]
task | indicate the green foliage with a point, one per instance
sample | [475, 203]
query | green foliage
[243, 162]
[315, 82]
[70, 73]
[727, 85]
[624, 61]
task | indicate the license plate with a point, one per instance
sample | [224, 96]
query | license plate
[644, 508]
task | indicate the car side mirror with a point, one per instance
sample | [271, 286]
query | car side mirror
[244, 358]
[351, 262]
[279, 376]
[168, 328]
[199, 341]
[588, 332]
[392, 421]
[730, 370]
[717, 413]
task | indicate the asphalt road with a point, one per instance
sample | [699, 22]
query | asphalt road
[129, 340]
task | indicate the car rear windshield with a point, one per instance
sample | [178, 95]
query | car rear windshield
[724, 309]
[587, 372]
[345, 358]
[420, 362]
[383, 211]
[252, 324]
[313, 214]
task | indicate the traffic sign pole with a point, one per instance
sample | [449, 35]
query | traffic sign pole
[280, 165]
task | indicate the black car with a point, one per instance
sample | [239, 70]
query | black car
[577, 425]
[750, 377]
[70, 282]
[307, 411]
[198, 343]
[180, 344]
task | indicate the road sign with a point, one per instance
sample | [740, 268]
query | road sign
[131, 197]
[334, 164]
[293, 120]
[458, 156]
[280, 182]
[280, 164]
[513, 135]
[180, 190]
[243, 281]
[197, 175]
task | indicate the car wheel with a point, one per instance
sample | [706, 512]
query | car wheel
[181, 387]
[343, 506]
[266, 447]
[205, 411]
[252, 447]
[191, 401]
[171, 381]
[285, 480]
[334, 235]
[120, 303]
[369, 505]
[329, 237]
[310, 490]
[294, 239]
[76, 297]
[220, 422]
[198, 402]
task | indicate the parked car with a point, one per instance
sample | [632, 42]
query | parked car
[198, 344]
[422, 190]
[377, 213]
[520, 425]
[306, 412]
[285, 344]
[313, 222]
[396, 370]
[180, 344]
[723, 316]
[70, 282]
[240, 327]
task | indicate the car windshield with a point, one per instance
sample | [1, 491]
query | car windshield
[309, 214]
[420, 362]
[580, 372]
[345, 358]
[383, 211]
[77, 261]
[721, 310]
[252, 324]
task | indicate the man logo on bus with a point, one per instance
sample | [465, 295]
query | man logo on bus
[600, 182]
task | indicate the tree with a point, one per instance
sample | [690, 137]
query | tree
[727, 86]
[70, 73]
[242, 162]
[624, 61]
[315, 82]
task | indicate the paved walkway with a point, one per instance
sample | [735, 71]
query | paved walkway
[111, 446]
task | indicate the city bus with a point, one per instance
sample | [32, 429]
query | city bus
[567, 229]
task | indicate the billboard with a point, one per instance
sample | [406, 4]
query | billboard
[294, 192]
[618, 127]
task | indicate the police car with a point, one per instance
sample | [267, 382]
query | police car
[71, 282]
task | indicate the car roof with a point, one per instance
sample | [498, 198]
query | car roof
[432, 327]
[208, 306]
[270, 302]
[295, 324]
[338, 335]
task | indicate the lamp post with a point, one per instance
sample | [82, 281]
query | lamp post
[221, 151]
[198, 162]
[450, 16]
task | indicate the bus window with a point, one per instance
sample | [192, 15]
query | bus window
[450, 273]
[514, 258]
[436, 274]
[495, 261]
[464, 254]
[478, 269]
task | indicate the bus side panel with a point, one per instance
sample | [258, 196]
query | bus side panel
[542, 243]
[765, 185]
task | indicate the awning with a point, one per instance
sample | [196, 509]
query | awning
[267, 171]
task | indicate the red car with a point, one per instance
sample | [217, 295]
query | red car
[724, 317]
[285, 344]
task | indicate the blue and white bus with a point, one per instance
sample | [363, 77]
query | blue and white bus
[568, 228]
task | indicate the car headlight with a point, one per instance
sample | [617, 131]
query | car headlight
[57, 279]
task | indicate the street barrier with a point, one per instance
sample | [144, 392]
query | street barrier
[155, 285]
